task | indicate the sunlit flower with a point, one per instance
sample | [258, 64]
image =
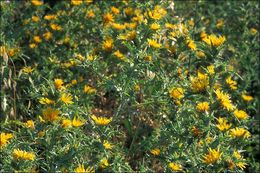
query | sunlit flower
[253, 31]
[224, 99]
[46, 101]
[47, 36]
[155, 26]
[155, 151]
[32, 45]
[55, 27]
[153, 43]
[29, 124]
[89, 89]
[200, 54]
[102, 121]
[203, 106]
[103, 163]
[212, 157]
[77, 123]
[119, 55]
[82, 169]
[35, 18]
[37, 2]
[23, 155]
[175, 166]
[50, 114]
[107, 44]
[115, 10]
[240, 114]
[247, 98]
[107, 145]
[223, 124]
[37, 39]
[157, 13]
[128, 11]
[4, 139]
[76, 2]
[108, 18]
[191, 44]
[50, 17]
[200, 82]
[28, 69]
[211, 69]
[91, 14]
[58, 83]
[66, 123]
[213, 40]
[176, 93]
[118, 26]
[241, 165]
[232, 84]
[239, 132]
[66, 98]
[220, 23]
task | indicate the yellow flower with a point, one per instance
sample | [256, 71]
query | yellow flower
[200, 54]
[50, 17]
[128, 11]
[128, 36]
[29, 124]
[91, 14]
[76, 2]
[107, 145]
[118, 26]
[77, 123]
[66, 123]
[157, 13]
[66, 98]
[153, 43]
[200, 82]
[32, 45]
[253, 31]
[220, 23]
[203, 34]
[55, 27]
[102, 121]
[224, 99]
[58, 83]
[212, 156]
[175, 166]
[89, 89]
[155, 151]
[240, 114]
[191, 44]
[241, 165]
[239, 132]
[35, 18]
[155, 26]
[37, 2]
[108, 18]
[47, 36]
[223, 124]
[50, 114]
[115, 10]
[203, 106]
[213, 40]
[28, 69]
[119, 55]
[103, 163]
[148, 58]
[81, 169]
[211, 69]
[247, 98]
[107, 44]
[24, 155]
[4, 139]
[37, 39]
[176, 93]
[232, 84]
[45, 101]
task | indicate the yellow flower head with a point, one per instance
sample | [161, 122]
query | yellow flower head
[213, 40]
[155, 151]
[89, 89]
[46, 101]
[232, 84]
[66, 98]
[23, 155]
[37, 2]
[247, 98]
[76, 2]
[82, 169]
[211, 69]
[224, 99]
[115, 10]
[212, 156]
[47, 36]
[77, 123]
[119, 55]
[4, 139]
[155, 26]
[29, 124]
[108, 18]
[239, 132]
[66, 123]
[191, 44]
[240, 114]
[37, 39]
[28, 69]
[200, 82]
[154, 44]
[107, 145]
[200, 54]
[50, 114]
[223, 124]
[175, 166]
[118, 26]
[58, 83]
[103, 163]
[107, 44]
[203, 106]
[176, 93]
[102, 121]
[55, 27]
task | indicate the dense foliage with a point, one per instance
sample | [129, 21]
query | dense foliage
[124, 86]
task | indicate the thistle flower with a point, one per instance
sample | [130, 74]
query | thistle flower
[23, 155]
[239, 132]
[200, 82]
[4, 139]
[176, 93]
[212, 156]
[223, 124]
[102, 121]
[224, 99]
[66, 98]
[240, 114]
[203, 106]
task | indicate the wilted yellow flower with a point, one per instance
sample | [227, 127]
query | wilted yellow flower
[232, 84]
[175, 166]
[58, 83]
[239, 132]
[4, 139]
[224, 99]
[153, 43]
[82, 169]
[155, 151]
[37, 2]
[23, 155]
[66, 98]
[107, 44]
[240, 114]
[45, 100]
[103, 163]
[50, 114]
[107, 145]
[200, 82]
[155, 26]
[37, 39]
[212, 157]
[108, 18]
[89, 89]
[247, 98]
[176, 93]
[102, 121]
[203, 106]
[223, 124]
[213, 40]
[29, 124]
[76, 2]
